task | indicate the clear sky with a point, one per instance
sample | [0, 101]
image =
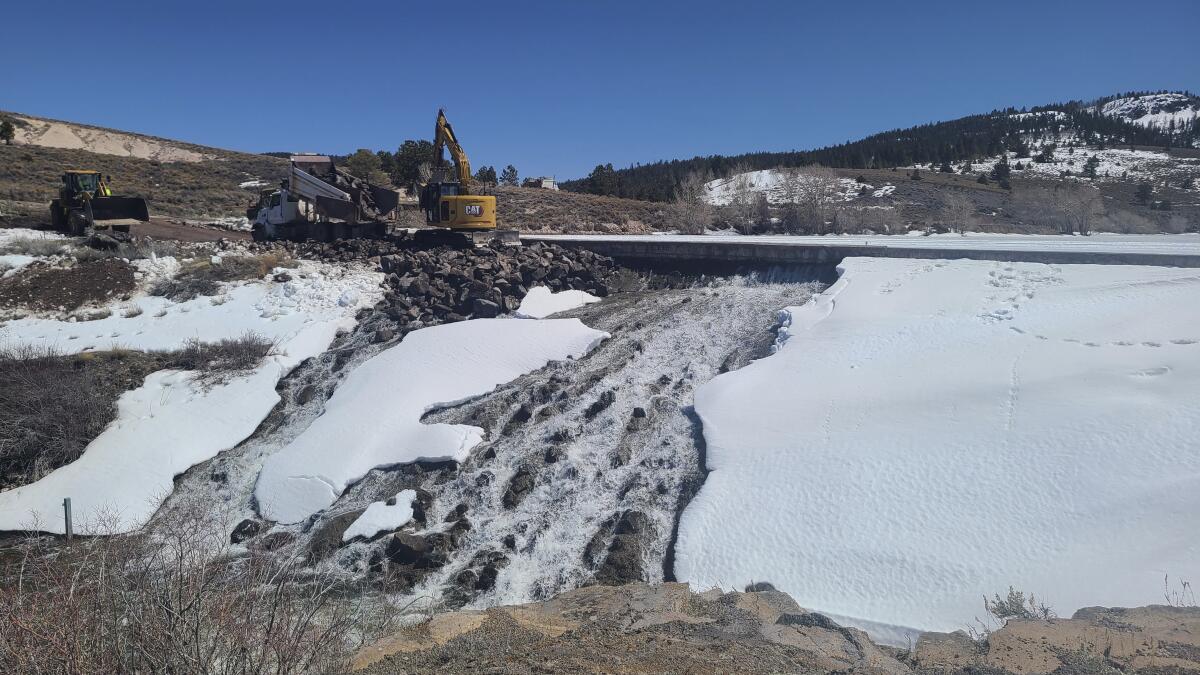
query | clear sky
[557, 87]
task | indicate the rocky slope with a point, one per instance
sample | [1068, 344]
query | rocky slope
[639, 628]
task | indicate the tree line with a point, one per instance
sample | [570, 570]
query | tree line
[966, 139]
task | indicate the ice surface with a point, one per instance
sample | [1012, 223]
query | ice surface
[1188, 244]
[374, 417]
[933, 431]
[382, 517]
[541, 302]
[171, 422]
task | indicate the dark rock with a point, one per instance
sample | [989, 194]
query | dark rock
[305, 394]
[623, 560]
[246, 529]
[759, 587]
[522, 483]
[456, 513]
[409, 549]
[487, 578]
[484, 309]
[553, 455]
[384, 334]
[510, 542]
[327, 536]
[282, 277]
[606, 399]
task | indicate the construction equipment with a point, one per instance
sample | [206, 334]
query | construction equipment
[322, 202]
[449, 204]
[85, 203]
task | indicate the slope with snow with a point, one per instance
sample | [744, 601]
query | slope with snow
[773, 184]
[374, 417]
[1160, 111]
[172, 421]
[933, 431]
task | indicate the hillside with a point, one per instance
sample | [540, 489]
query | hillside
[193, 182]
[179, 180]
[1161, 120]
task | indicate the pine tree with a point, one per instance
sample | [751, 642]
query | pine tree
[1001, 170]
[7, 132]
[509, 175]
[1089, 167]
[486, 175]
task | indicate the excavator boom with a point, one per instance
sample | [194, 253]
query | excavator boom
[443, 136]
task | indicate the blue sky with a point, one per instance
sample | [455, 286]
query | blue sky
[557, 87]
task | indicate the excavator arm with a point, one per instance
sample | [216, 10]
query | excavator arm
[444, 137]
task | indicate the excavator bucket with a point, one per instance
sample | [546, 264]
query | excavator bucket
[119, 208]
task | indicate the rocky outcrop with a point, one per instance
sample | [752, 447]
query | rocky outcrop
[637, 628]
[1156, 639]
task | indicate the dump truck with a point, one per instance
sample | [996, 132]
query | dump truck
[86, 203]
[320, 201]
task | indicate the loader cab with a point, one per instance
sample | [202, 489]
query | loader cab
[80, 182]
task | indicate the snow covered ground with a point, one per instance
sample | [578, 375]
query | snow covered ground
[772, 183]
[382, 517]
[374, 417]
[1188, 244]
[541, 302]
[933, 431]
[172, 422]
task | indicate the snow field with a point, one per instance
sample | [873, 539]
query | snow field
[373, 418]
[932, 431]
[382, 517]
[172, 422]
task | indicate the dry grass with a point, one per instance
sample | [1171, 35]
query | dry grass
[53, 405]
[203, 277]
[183, 189]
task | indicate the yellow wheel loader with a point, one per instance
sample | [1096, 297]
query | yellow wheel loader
[85, 203]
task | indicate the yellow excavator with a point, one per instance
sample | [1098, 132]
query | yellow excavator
[449, 204]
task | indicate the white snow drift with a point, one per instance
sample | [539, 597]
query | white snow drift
[382, 517]
[541, 302]
[374, 417]
[172, 422]
[930, 432]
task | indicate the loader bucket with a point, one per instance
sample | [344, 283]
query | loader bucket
[119, 208]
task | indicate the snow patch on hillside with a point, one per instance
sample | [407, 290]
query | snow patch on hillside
[1158, 111]
[934, 431]
[374, 417]
[772, 183]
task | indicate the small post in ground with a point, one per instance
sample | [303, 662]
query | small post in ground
[67, 517]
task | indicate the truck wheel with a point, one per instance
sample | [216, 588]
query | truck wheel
[258, 232]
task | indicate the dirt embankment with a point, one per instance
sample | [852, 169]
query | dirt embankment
[550, 211]
[641, 628]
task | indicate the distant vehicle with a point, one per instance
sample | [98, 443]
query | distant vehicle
[542, 182]
[85, 203]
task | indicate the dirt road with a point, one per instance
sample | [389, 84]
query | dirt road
[168, 229]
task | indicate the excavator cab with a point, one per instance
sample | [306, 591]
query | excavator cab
[85, 203]
[447, 205]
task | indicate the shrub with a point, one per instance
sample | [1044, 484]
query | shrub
[203, 276]
[230, 354]
[175, 599]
